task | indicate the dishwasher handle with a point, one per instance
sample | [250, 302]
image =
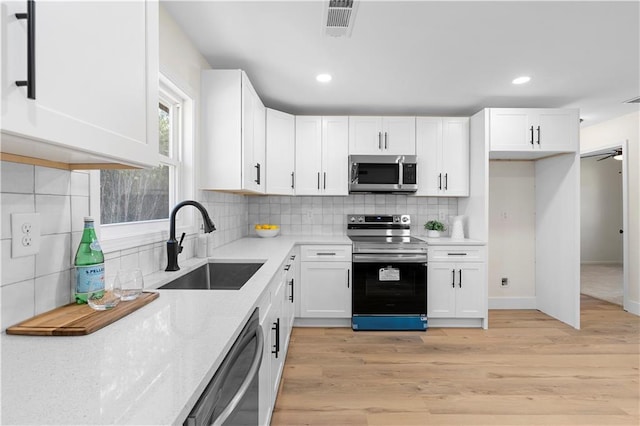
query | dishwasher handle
[244, 387]
[395, 257]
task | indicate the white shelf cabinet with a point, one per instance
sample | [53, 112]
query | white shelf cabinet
[280, 156]
[382, 135]
[325, 282]
[442, 147]
[533, 130]
[96, 84]
[233, 139]
[457, 286]
[321, 155]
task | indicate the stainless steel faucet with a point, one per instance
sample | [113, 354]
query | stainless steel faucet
[173, 246]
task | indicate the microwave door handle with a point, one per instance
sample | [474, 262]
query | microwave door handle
[401, 172]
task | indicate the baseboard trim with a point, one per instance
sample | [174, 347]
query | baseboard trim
[632, 307]
[512, 303]
[322, 322]
[601, 262]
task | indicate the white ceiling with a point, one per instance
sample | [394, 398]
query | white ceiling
[426, 57]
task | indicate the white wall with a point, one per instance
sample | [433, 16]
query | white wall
[610, 133]
[600, 210]
[512, 206]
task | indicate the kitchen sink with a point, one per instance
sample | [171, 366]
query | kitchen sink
[215, 276]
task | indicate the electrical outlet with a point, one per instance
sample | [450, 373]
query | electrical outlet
[442, 216]
[25, 234]
[505, 282]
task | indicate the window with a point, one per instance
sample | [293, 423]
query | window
[138, 202]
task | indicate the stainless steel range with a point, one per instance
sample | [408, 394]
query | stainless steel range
[389, 273]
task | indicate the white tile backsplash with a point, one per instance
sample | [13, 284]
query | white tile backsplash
[55, 254]
[14, 203]
[16, 177]
[55, 213]
[80, 183]
[53, 290]
[17, 302]
[15, 269]
[52, 181]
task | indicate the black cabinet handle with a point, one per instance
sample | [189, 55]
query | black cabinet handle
[293, 256]
[538, 129]
[30, 16]
[318, 181]
[379, 140]
[276, 345]
[257, 166]
[531, 129]
[453, 278]
[440, 181]
[293, 181]
[348, 278]
[386, 141]
[325, 180]
[446, 181]
[460, 278]
[456, 254]
[287, 267]
[291, 294]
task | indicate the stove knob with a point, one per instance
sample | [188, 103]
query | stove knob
[352, 219]
[396, 219]
[361, 219]
[405, 219]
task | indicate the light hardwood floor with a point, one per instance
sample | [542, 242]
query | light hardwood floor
[526, 369]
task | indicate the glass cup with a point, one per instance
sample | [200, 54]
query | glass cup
[131, 283]
[105, 298]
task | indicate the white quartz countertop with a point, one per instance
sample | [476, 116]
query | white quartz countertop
[446, 241]
[151, 366]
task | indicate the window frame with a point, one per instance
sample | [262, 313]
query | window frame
[182, 183]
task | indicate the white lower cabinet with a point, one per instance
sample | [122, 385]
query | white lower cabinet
[325, 282]
[456, 287]
[276, 319]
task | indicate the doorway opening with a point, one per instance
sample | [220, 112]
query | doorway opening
[603, 246]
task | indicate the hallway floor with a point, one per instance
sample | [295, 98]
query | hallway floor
[602, 281]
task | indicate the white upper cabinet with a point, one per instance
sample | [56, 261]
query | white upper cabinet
[281, 137]
[382, 135]
[442, 147]
[532, 133]
[233, 137]
[94, 81]
[321, 155]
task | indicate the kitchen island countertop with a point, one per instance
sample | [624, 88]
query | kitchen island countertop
[149, 367]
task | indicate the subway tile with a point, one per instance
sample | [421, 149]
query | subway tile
[80, 183]
[14, 203]
[79, 210]
[16, 269]
[55, 213]
[52, 291]
[52, 181]
[54, 255]
[17, 178]
[18, 302]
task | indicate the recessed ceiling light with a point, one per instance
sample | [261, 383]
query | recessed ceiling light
[323, 78]
[521, 80]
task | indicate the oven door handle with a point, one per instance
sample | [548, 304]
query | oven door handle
[382, 258]
[244, 387]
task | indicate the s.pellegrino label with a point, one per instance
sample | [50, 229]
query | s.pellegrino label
[89, 263]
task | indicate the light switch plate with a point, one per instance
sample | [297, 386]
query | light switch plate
[25, 234]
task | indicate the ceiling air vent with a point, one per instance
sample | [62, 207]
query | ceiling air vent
[338, 17]
[633, 101]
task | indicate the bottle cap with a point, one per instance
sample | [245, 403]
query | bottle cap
[88, 219]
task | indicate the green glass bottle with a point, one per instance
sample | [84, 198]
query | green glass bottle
[89, 263]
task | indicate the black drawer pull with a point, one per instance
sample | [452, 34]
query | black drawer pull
[456, 254]
[30, 16]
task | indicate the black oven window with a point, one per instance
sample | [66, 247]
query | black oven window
[376, 173]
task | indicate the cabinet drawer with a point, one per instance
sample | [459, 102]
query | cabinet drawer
[324, 253]
[456, 254]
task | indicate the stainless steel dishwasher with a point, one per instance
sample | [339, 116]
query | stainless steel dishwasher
[231, 397]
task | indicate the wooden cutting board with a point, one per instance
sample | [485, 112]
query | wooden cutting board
[78, 320]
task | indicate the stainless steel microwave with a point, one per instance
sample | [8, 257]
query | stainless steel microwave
[383, 173]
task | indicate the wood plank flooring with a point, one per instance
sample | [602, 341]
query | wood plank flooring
[526, 369]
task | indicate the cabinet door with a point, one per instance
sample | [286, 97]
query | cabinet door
[471, 297]
[308, 155]
[276, 349]
[428, 150]
[265, 398]
[365, 135]
[259, 143]
[335, 156]
[399, 135]
[326, 289]
[454, 155]
[280, 154]
[96, 81]
[252, 138]
[558, 130]
[510, 129]
[441, 293]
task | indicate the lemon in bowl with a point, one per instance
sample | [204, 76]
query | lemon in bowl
[267, 230]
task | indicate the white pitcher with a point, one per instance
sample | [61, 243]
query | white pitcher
[457, 227]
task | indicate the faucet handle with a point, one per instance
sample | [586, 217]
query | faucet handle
[180, 243]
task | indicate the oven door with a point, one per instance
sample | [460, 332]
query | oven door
[393, 284]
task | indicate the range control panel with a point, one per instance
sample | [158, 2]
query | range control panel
[396, 219]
